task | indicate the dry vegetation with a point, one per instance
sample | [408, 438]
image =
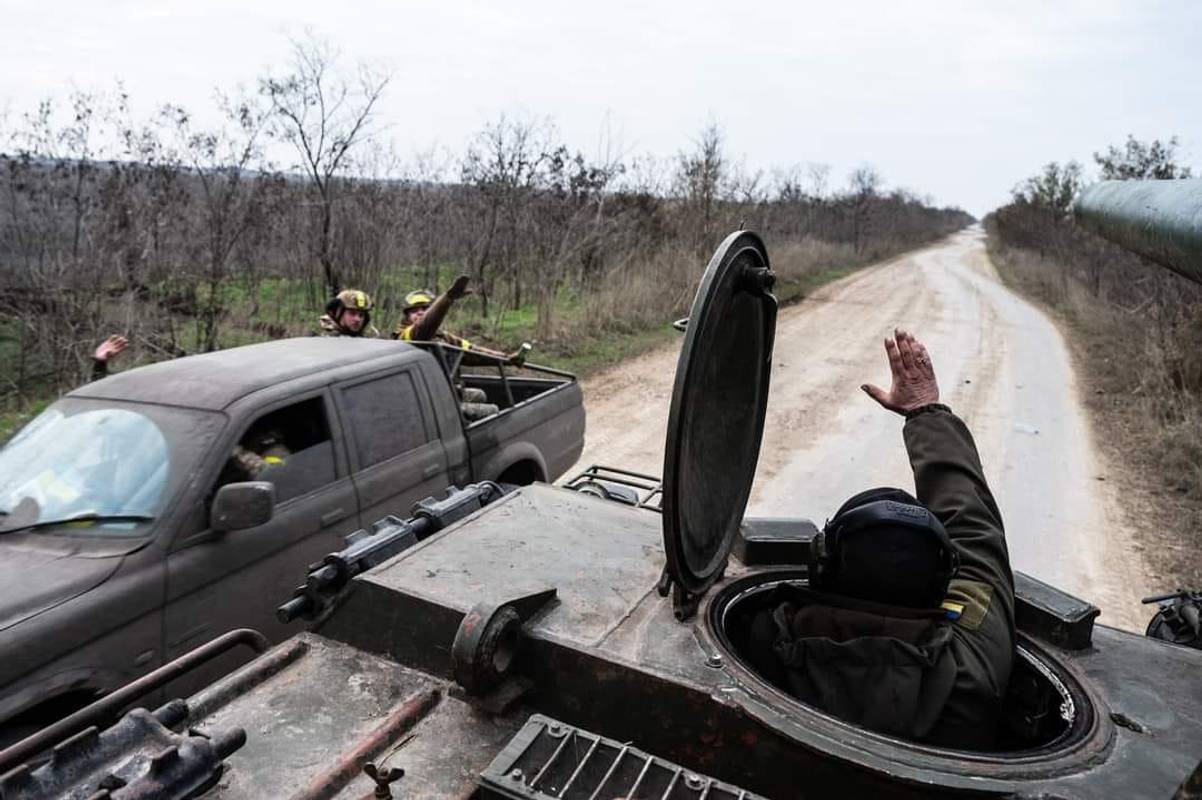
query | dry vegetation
[188, 237]
[1137, 328]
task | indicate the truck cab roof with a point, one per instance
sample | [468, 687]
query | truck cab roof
[213, 381]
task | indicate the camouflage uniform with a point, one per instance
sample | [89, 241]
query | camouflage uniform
[347, 299]
[327, 326]
[248, 460]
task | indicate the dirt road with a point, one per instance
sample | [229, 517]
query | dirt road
[1002, 365]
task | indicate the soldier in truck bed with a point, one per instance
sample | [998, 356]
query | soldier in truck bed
[422, 316]
[907, 627]
[348, 314]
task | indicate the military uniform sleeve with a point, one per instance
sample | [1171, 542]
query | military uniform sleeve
[949, 480]
[100, 369]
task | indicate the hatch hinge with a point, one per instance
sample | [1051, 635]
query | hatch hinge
[684, 602]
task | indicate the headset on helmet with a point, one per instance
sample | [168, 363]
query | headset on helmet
[884, 546]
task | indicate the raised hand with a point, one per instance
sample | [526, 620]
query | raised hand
[459, 288]
[518, 357]
[110, 348]
[914, 384]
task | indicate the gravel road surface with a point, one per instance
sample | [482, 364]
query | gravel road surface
[1002, 366]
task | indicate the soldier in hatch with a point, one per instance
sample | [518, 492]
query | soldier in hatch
[348, 314]
[908, 625]
[423, 313]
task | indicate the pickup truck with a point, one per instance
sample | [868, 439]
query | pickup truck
[126, 538]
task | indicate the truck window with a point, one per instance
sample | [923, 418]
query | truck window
[290, 447]
[103, 462]
[384, 417]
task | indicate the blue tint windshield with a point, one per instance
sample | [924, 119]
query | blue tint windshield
[95, 463]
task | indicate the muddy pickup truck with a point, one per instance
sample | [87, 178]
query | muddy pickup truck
[131, 530]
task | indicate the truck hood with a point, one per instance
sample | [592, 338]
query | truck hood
[36, 578]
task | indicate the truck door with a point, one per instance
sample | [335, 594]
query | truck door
[396, 456]
[219, 581]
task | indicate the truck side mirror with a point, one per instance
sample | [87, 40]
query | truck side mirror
[242, 505]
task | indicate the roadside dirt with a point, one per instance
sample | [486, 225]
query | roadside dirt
[1002, 365]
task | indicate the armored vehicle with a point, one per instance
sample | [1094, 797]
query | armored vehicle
[586, 642]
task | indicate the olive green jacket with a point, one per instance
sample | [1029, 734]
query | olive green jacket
[934, 676]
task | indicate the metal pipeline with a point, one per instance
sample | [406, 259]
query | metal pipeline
[107, 706]
[1160, 220]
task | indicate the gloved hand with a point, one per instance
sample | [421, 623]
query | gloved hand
[459, 288]
[518, 357]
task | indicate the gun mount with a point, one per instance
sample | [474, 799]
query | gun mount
[387, 537]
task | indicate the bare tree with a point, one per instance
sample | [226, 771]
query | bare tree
[323, 115]
[864, 184]
[221, 161]
[819, 175]
[700, 177]
[502, 164]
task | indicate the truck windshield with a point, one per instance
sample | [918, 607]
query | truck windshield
[105, 469]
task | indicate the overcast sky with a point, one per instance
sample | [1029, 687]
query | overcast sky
[957, 100]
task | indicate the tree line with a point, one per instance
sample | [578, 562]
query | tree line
[190, 236]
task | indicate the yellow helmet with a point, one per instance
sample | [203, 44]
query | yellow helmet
[417, 299]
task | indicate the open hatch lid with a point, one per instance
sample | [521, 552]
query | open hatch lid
[717, 416]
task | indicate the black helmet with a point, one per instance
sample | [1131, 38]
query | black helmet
[884, 546]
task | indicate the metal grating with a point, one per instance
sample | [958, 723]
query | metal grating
[550, 759]
[649, 489]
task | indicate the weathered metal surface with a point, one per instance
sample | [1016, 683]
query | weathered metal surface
[332, 780]
[1161, 220]
[106, 707]
[716, 417]
[134, 759]
[243, 680]
[324, 713]
[601, 557]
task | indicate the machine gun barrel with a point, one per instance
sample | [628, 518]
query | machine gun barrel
[1161, 220]
[387, 537]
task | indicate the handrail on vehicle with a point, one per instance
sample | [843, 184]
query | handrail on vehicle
[451, 360]
[107, 706]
